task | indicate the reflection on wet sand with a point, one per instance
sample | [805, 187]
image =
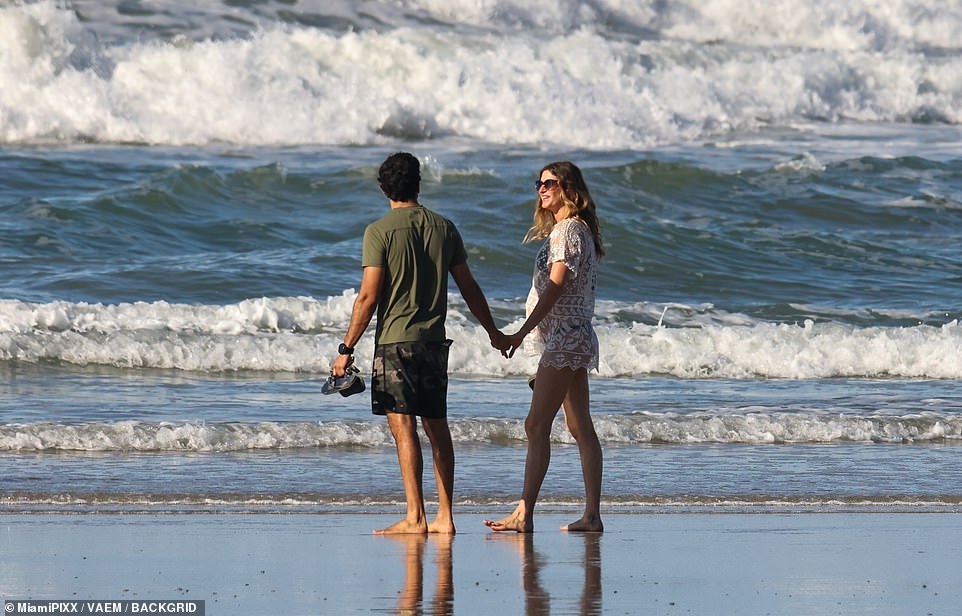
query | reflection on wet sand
[532, 561]
[537, 601]
[591, 594]
[411, 597]
[537, 598]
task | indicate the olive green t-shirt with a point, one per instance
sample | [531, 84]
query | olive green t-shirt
[417, 248]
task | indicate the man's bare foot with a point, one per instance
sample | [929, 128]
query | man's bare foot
[518, 521]
[403, 527]
[442, 527]
[587, 524]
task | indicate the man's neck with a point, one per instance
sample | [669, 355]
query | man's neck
[401, 204]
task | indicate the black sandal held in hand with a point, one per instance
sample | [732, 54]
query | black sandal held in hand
[346, 385]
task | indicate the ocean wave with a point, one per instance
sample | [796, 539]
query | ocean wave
[301, 334]
[613, 430]
[631, 78]
[85, 502]
[861, 24]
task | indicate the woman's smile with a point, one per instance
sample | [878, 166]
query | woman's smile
[549, 192]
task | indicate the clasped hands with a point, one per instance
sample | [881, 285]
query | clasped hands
[505, 343]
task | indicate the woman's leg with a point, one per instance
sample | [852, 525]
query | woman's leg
[578, 419]
[549, 391]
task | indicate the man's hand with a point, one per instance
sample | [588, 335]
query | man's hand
[341, 364]
[500, 342]
[514, 343]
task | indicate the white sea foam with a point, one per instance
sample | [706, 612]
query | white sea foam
[297, 334]
[630, 429]
[130, 435]
[613, 74]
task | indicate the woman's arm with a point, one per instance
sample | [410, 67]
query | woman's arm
[546, 301]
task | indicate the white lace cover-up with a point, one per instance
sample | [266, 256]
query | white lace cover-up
[565, 337]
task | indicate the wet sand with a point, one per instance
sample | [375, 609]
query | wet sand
[809, 563]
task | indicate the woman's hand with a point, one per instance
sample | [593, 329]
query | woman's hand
[499, 341]
[514, 343]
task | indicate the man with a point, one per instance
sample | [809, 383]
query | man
[406, 258]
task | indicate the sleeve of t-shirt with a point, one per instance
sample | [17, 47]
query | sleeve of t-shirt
[565, 244]
[372, 249]
[460, 254]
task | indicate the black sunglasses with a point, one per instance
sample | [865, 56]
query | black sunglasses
[549, 184]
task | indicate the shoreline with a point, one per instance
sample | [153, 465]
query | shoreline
[99, 503]
[241, 563]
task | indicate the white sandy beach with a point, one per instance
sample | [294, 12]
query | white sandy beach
[824, 563]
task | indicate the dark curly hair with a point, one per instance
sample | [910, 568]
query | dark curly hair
[400, 177]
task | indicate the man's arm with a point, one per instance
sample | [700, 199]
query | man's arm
[361, 314]
[477, 304]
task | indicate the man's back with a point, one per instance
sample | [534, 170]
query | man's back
[416, 248]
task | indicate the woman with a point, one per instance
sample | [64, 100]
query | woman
[559, 310]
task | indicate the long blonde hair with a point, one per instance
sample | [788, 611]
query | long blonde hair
[577, 203]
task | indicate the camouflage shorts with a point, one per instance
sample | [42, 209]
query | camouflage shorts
[411, 378]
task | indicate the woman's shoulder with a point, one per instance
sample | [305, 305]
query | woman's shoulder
[570, 226]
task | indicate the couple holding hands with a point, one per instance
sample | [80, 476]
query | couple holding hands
[407, 256]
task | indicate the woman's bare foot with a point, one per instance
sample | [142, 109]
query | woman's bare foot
[403, 527]
[587, 524]
[518, 521]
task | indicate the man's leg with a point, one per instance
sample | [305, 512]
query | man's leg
[404, 428]
[439, 433]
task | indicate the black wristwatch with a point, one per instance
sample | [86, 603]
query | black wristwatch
[343, 349]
